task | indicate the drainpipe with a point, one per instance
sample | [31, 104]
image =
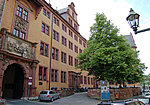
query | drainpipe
[2, 6]
[51, 52]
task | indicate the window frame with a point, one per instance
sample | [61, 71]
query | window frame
[43, 73]
[64, 41]
[44, 29]
[54, 74]
[70, 60]
[63, 57]
[56, 54]
[44, 51]
[46, 13]
[55, 35]
[63, 77]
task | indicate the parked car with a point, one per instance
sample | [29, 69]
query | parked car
[48, 95]
[145, 100]
[137, 102]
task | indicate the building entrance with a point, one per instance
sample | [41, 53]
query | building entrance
[13, 80]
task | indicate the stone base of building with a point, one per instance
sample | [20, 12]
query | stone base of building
[116, 94]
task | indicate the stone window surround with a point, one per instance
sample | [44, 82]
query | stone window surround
[29, 10]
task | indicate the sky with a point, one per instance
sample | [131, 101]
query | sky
[116, 11]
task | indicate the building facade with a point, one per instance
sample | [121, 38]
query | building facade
[38, 49]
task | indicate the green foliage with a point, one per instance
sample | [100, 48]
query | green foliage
[108, 56]
[145, 81]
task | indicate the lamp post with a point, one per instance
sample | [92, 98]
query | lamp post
[133, 20]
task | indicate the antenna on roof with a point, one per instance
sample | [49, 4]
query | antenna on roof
[49, 1]
[56, 8]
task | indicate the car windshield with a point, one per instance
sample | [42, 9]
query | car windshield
[43, 92]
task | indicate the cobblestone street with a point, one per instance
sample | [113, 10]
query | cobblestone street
[76, 99]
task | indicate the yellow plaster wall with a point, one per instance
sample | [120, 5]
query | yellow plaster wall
[8, 14]
[36, 35]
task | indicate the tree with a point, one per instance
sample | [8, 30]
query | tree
[108, 56]
[146, 81]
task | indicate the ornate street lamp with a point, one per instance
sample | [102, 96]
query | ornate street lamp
[133, 20]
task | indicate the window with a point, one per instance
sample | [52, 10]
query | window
[44, 11]
[56, 21]
[75, 62]
[19, 11]
[70, 21]
[45, 29]
[42, 73]
[64, 41]
[63, 57]
[75, 48]
[80, 41]
[55, 53]
[25, 15]
[22, 13]
[64, 28]
[70, 60]
[75, 26]
[70, 45]
[88, 80]
[70, 33]
[19, 33]
[16, 32]
[91, 80]
[54, 75]
[80, 51]
[85, 81]
[44, 49]
[76, 38]
[63, 76]
[81, 79]
[72, 14]
[84, 45]
[48, 14]
[55, 35]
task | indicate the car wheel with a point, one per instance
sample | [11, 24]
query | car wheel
[52, 99]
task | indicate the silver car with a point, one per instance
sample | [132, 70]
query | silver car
[48, 95]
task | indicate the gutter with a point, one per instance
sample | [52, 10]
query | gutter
[50, 69]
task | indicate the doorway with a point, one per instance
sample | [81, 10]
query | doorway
[13, 80]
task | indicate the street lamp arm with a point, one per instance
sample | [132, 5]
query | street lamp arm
[147, 29]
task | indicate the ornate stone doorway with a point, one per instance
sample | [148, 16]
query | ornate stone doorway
[13, 81]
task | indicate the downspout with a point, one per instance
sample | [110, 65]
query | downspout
[51, 52]
[2, 6]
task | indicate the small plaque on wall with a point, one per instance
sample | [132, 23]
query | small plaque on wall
[40, 83]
